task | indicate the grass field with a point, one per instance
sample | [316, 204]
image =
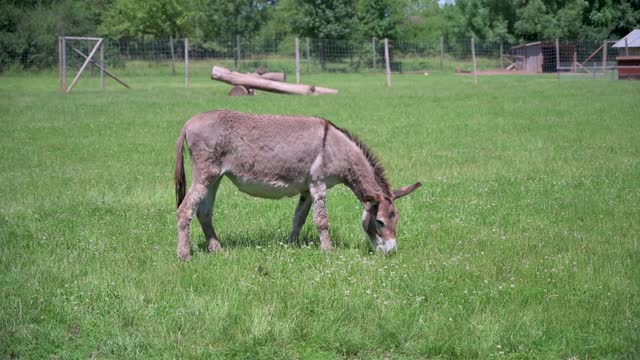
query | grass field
[523, 242]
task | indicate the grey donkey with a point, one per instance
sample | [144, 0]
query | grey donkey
[273, 156]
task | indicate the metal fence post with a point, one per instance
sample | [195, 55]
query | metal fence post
[387, 62]
[501, 58]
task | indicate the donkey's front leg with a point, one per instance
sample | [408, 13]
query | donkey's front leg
[318, 192]
[205, 217]
[300, 216]
[185, 213]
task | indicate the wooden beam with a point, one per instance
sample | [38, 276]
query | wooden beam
[84, 65]
[590, 56]
[82, 38]
[252, 82]
[102, 68]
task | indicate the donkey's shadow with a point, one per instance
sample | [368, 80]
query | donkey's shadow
[270, 238]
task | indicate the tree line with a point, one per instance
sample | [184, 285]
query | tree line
[28, 28]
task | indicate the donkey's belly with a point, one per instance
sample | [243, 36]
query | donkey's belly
[269, 189]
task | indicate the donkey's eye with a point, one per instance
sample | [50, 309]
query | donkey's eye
[380, 223]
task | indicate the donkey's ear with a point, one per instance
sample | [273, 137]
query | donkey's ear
[405, 190]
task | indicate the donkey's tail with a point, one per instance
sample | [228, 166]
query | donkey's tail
[178, 177]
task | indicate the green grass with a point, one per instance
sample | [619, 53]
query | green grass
[523, 243]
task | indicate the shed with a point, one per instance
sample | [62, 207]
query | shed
[541, 57]
[629, 45]
[629, 56]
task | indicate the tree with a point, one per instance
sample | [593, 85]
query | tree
[487, 19]
[379, 18]
[323, 19]
[226, 18]
[28, 30]
[533, 20]
[156, 18]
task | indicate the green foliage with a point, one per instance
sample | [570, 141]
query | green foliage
[139, 18]
[228, 18]
[320, 19]
[28, 32]
[486, 19]
[379, 18]
[28, 28]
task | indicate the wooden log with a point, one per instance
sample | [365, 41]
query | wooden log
[252, 82]
[241, 91]
[273, 76]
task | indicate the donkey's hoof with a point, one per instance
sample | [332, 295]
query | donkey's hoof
[184, 257]
[214, 246]
[326, 247]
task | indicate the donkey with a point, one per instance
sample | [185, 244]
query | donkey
[273, 156]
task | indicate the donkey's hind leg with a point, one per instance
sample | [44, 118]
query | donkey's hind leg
[205, 217]
[185, 212]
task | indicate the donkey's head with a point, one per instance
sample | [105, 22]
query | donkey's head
[380, 218]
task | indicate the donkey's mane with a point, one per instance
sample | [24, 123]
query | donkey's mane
[373, 160]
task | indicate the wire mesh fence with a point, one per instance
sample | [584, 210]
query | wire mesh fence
[165, 57]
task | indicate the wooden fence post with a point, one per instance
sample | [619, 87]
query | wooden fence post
[308, 57]
[386, 61]
[473, 56]
[373, 52]
[626, 47]
[237, 51]
[441, 53]
[60, 61]
[63, 71]
[558, 59]
[297, 60]
[173, 56]
[186, 62]
[604, 58]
